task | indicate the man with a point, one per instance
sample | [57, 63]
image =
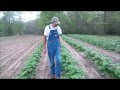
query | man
[52, 37]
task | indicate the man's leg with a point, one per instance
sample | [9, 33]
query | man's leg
[58, 63]
[52, 65]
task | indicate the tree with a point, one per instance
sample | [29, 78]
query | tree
[10, 24]
[8, 19]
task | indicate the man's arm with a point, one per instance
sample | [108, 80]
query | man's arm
[60, 33]
[44, 44]
[44, 39]
[60, 38]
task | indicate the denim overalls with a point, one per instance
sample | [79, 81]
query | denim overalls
[53, 46]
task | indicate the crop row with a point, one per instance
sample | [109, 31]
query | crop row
[28, 70]
[69, 66]
[103, 63]
[106, 43]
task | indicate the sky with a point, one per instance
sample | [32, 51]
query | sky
[30, 15]
[27, 15]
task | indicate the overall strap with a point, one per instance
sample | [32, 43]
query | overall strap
[49, 27]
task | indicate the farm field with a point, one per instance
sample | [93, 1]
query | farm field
[22, 57]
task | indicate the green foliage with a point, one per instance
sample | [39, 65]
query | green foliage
[112, 44]
[9, 25]
[103, 63]
[28, 72]
[69, 66]
[76, 45]
[72, 22]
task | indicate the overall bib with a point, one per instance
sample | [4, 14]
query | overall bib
[53, 46]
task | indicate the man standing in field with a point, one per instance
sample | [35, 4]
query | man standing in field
[52, 37]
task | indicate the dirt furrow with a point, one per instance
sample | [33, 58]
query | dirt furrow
[11, 67]
[16, 67]
[43, 69]
[13, 50]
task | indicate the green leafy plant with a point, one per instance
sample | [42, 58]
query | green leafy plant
[28, 70]
[69, 66]
[112, 44]
[103, 63]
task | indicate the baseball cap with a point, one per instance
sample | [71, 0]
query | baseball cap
[55, 20]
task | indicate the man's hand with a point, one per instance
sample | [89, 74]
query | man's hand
[44, 50]
[44, 42]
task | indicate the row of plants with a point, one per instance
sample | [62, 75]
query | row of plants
[70, 70]
[105, 64]
[111, 44]
[28, 71]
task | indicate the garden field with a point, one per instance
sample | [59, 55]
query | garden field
[82, 57]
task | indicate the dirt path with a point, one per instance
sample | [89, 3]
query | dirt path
[43, 69]
[10, 41]
[88, 67]
[15, 42]
[11, 50]
[8, 37]
[114, 56]
[11, 64]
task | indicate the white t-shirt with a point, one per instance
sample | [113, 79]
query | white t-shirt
[47, 30]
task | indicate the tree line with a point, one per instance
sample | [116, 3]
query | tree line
[72, 22]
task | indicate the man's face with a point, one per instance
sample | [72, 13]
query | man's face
[55, 24]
